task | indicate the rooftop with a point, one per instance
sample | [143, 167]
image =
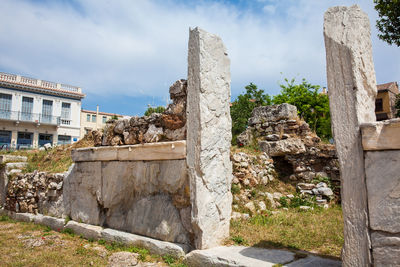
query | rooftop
[101, 113]
[40, 86]
[392, 86]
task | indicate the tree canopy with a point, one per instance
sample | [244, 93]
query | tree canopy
[312, 106]
[389, 20]
[243, 106]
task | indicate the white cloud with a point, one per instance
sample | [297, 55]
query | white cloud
[140, 47]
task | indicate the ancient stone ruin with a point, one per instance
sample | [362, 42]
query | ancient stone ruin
[368, 151]
[168, 126]
[297, 153]
[165, 176]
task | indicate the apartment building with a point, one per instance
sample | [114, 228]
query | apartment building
[34, 112]
[95, 120]
[385, 101]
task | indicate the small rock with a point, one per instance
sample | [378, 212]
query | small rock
[272, 137]
[123, 259]
[305, 208]
[305, 186]
[277, 195]
[250, 205]
[244, 164]
[321, 184]
[236, 215]
[326, 191]
[262, 205]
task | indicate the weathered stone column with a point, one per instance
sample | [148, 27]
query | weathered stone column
[352, 91]
[209, 138]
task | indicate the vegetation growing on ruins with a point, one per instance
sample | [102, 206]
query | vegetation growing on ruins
[311, 105]
[319, 230]
[151, 110]
[29, 244]
[55, 160]
[389, 20]
[243, 106]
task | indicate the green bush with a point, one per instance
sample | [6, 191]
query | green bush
[235, 189]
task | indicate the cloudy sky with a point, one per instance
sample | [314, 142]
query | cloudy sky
[126, 53]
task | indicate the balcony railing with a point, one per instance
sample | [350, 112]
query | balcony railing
[29, 117]
[17, 79]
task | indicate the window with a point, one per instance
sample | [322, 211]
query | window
[45, 139]
[378, 105]
[64, 139]
[88, 117]
[104, 119]
[27, 107]
[66, 111]
[94, 117]
[47, 110]
[5, 106]
[24, 140]
[5, 139]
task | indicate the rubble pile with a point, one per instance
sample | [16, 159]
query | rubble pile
[298, 153]
[167, 126]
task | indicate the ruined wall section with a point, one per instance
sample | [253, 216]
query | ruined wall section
[149, 198]
[158, 127]
[298, 154]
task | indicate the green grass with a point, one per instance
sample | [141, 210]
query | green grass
[62, 248]
[319, 230]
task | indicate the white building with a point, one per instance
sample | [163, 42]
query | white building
[35, 112]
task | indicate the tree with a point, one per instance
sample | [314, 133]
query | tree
[151, 110]
[243, 106]
[389, 20]
[312, 106]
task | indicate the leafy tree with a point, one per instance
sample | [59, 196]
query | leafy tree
[389, 20]
[243, 106]
[151, 110]
[311, 106]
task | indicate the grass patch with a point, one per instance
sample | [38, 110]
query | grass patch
[62, 248]
[319, 231]
[55, 160]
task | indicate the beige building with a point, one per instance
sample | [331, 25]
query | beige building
[95, 120]
[385, 101]
[35, 112]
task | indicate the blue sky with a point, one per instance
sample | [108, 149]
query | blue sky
[125, 54]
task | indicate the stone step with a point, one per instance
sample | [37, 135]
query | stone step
[12, 158]
[15, 165]
[13, 171]
[253, 257]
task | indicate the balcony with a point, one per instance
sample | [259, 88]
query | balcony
[36, 84]
[37, 118]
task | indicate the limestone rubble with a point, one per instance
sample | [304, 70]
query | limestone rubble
[167, 126]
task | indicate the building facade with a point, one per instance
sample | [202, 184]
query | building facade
[34, 112]
[385, 101]
[95, 120]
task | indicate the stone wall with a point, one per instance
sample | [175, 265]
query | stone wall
[37, 192]
[298, 153]
[149, 198]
